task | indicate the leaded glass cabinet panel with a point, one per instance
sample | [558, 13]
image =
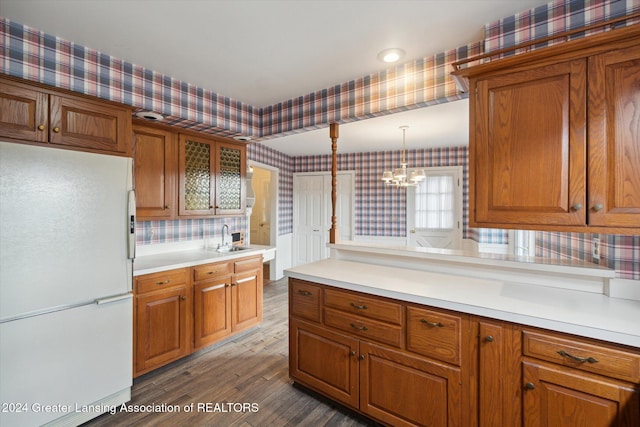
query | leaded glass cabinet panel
[230, 178]
[196, 176]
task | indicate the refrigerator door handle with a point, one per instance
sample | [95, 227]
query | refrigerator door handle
[113, 299]
[131, 220]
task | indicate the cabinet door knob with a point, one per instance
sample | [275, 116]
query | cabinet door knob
[361, 357]
[56, 129]
[41, 127]
[183, 297]
[598, 207]
[488, 338]
[529, 386]
[577, 206]
[352, 353]
[167, 207]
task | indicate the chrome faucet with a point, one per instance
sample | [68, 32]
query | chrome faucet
[223, 227]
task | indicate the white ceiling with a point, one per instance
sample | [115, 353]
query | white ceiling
[262, 52]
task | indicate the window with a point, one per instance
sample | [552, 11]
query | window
[435, 203]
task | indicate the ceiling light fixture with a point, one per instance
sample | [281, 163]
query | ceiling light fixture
[398, 176]
[391, 55]
[149, 115]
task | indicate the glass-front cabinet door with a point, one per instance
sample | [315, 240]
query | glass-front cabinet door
[196, 177]
[230, 178]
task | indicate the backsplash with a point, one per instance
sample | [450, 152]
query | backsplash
[156, 232]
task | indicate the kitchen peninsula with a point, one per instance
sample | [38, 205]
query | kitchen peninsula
[503, 338]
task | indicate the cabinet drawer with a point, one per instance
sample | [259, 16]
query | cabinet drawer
[162, 280]
[581, 355]
[434, 334]
[210, 271]
[364, 327]
[248, 264]
[305, 300]
[379, 309]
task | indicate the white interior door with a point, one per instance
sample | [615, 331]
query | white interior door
[312, 213]
[434, 209]
[309, 223]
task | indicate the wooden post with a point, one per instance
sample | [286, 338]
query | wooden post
[333, 133]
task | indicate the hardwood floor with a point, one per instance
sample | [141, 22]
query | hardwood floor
[242, 382]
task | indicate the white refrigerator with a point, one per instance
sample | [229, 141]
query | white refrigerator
[66, 248]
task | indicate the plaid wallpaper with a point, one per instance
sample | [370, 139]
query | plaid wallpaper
[415, 84]
[380, 209]
[153, 232]
[553, 18]
[30, 54]
[33, 55]
[268, 156]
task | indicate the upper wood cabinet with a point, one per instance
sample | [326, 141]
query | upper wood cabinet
[211, 177]
[40, 115]
[186, 175]
[554, 137]
[156, 169]
[614, 138]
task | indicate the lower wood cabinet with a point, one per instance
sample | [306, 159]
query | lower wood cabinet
[355, 353]
[180, 311]
[324, 360]
[555, 396]
[161, 317]
[404, 390]
[453, 369]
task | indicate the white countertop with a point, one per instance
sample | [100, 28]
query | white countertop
[164, 261]
[585, 314]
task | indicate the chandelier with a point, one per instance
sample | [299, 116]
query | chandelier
[398, 177]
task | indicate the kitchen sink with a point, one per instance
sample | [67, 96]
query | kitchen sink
[232, 249]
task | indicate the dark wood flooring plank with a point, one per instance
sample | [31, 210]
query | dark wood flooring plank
[251, 368]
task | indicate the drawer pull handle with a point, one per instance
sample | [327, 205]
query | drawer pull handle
[576, 358]
[432, 324]
[360, 328]
[305, 293]
[164, 282]
[212, 272]
[359, 307]
[529, 386]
